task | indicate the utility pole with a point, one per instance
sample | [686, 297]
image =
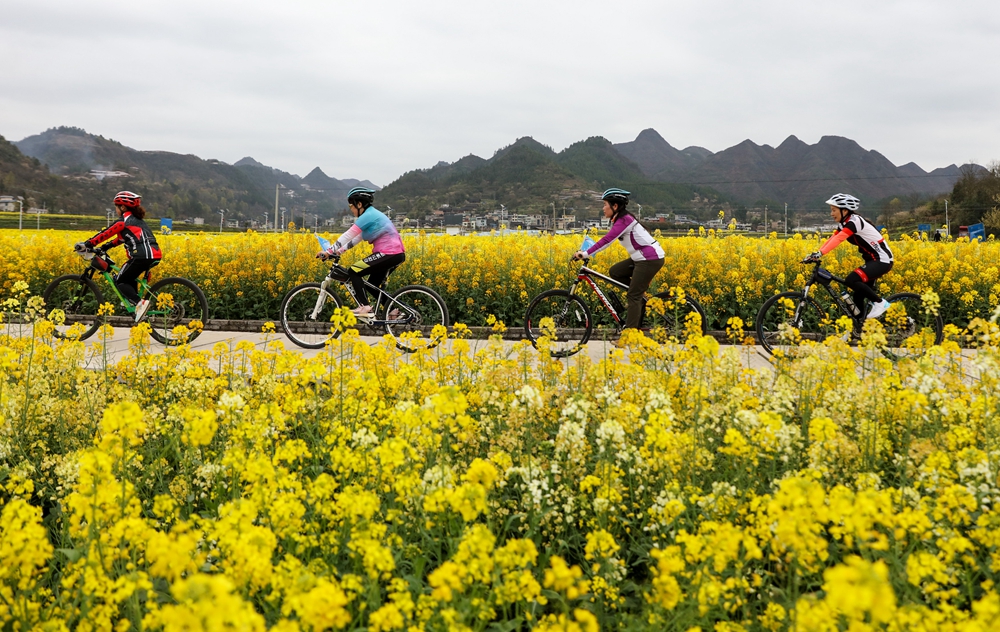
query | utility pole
[765, 221]
[20, 217]
[276, 187]
[282, 219]
[786, 219]
[222, 218]
[265, 222]
[553, 218]
[947, 224]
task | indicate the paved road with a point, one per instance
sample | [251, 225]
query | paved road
[118, 346]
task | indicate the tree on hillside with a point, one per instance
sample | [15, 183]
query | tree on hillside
[975, 193]
[890, 210]
[992, 217]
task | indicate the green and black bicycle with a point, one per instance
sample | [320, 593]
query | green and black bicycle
[173, 301]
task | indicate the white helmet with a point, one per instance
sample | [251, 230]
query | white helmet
[845, 201]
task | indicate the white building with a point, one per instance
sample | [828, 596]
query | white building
[9, 203]
[100, 175]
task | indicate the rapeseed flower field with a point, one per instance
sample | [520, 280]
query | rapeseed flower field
[245, 275]
[478, 486]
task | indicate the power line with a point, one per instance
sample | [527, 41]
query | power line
[794, 180]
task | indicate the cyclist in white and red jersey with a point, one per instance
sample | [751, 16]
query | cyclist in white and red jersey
[857, 230]
[645, 254]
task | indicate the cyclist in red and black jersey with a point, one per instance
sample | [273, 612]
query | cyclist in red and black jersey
[857, 230]
[140, 246]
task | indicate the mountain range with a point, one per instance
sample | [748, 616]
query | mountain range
[794, 172]
[173, 185]
[55, 168]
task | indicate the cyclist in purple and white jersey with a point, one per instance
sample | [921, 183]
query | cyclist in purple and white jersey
[645, 254]
[372, 226]
[857, 230]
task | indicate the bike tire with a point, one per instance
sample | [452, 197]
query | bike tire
[905, 335]
[296, 316]
[570, 315]
[670, 323]
[806, 316]
[188, 304]
[421, 310]
[79, 298]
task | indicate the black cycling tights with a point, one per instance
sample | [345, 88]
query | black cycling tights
[376, 267]
[127, 279]
[862, 281]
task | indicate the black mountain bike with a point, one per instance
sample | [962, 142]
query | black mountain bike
[786, 319]
[413, 309]
[173, 301]
[664, 315]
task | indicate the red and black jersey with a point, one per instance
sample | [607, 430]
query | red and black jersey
[134, 233]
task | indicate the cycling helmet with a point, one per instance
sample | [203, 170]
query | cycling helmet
[127, 198]
[845, 201]
[616, 196]
[362, 195]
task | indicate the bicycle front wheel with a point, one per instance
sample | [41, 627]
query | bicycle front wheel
[79, 299]
[415, 310]
[910, 327]
[561, 317]
[306, 312]
[172, 302]
[790, 318]
[666, 318]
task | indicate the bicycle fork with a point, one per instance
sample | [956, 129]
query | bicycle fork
[321, 299]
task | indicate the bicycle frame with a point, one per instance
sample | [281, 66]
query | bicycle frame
[824, 277]
[586, 275]
[377, 291]
[143, 281]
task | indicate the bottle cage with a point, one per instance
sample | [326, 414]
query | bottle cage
[100, 264]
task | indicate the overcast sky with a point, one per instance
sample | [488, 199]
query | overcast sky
[373, 89]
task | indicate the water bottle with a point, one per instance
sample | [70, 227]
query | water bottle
[850, 303]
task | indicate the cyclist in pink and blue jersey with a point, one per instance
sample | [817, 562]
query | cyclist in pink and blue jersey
[373, 226]
[645, 254]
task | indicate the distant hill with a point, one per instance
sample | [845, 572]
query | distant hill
[654, 155]
[529, 177]
[526, 175]
[176, 185]
[794, 172]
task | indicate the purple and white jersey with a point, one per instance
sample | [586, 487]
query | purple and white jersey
[637, 241]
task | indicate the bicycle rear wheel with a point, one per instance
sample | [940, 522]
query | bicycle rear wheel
[413, 311]
[910, 328]
[562, 317]
[790, 318]
[176, 301]
[665, 318]
[297, 320]
[79, 299]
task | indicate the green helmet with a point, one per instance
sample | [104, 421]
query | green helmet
[616, 196]
[361, 195]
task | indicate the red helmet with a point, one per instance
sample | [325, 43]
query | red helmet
[127, 198]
